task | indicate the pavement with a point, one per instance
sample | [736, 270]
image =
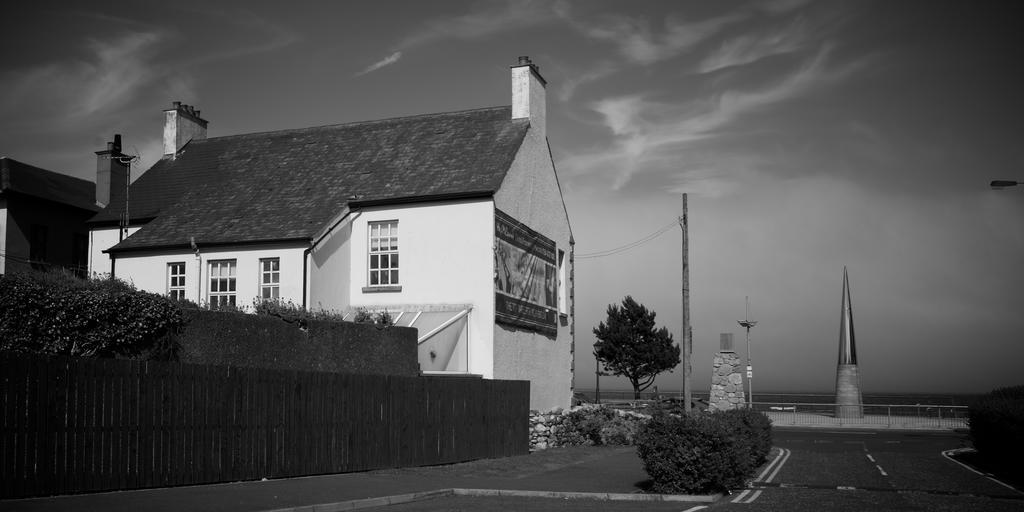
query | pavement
[609, 473]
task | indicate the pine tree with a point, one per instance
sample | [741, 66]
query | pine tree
[629, 344]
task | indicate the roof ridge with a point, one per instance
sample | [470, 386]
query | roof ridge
[353, 123]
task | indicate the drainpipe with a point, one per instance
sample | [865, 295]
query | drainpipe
[199, 270]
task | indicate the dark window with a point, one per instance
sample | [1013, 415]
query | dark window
[37, 246]
[80, 254]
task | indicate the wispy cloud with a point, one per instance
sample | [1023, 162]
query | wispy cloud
[654, 135]
[780, 6]
[484, 19]
[749, 48]
[642, 44]
[386, 61]
[263, 35]
[112, 74]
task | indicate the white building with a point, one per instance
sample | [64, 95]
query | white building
[453, 223]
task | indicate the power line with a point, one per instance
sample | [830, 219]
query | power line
[631, 245]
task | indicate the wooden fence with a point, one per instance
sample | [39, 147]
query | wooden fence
[74, 425]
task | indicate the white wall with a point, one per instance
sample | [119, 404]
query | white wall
[100, 240]
[330, 268]
[148, 271]
[446, 256]
[530, 194]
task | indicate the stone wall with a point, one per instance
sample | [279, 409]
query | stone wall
[726, 382]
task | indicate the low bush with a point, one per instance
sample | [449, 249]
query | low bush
[582, 426]
[620, 431]
[596, 426]
[996, 423]
[702, 452]
[58, 313]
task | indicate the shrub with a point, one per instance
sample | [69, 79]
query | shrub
[620, 431]
[702, 452]
[582, 426]
[996, 423]
[58, 313]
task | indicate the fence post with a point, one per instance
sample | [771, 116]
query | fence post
[888, 413]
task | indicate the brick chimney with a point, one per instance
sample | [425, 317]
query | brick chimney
[111, 174]
[181, 124]
[529, 96]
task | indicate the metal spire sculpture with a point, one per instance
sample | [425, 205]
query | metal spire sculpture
[849, 403]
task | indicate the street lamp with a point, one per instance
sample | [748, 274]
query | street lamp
[1000, 184]
[748, 323]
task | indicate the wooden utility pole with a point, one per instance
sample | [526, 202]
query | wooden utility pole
[687, 331]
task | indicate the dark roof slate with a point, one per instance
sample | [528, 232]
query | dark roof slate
[287, 185]
[33, 181]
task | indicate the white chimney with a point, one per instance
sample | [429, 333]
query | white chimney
[181, 124]
[528, 95]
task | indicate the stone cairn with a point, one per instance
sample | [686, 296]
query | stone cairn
[726, 379]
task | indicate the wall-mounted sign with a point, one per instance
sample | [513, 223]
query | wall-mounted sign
[526, 277]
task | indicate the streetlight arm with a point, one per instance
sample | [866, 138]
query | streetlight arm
[1004, 183]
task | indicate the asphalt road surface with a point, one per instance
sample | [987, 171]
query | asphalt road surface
[852, 470]
[819, 470]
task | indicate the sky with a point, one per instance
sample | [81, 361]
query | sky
[809, 136]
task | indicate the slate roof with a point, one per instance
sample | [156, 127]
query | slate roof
[33, 181]
[287, 185]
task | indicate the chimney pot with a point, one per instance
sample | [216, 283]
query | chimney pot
[176, 104]
[524, 60]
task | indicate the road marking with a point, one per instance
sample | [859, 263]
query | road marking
[845, 488]
[777, 468]
[744, 498]
[782, 451]
[740, 496]
[698, 507]
[880, 470]
[948, 454]
[771, 470]
[872, 459]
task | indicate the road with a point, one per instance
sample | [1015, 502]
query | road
[850, 470]
[814, 470]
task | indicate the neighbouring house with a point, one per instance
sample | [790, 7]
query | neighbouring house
[42, 218]
[452, 223]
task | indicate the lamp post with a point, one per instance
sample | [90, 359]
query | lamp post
[747, 323]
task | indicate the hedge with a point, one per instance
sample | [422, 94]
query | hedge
[58, 313]
[996, 423]
[703, 452]
[216, 337]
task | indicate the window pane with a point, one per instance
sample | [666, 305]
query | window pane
[384, 278]
[394, 276]
[374, 261]
[275, 265]
[394, 260]
[231, 285]
[394, 244]
[373, 278]
[384, 261]
[276, 278]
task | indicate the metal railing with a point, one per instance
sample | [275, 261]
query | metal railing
[922, 416]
